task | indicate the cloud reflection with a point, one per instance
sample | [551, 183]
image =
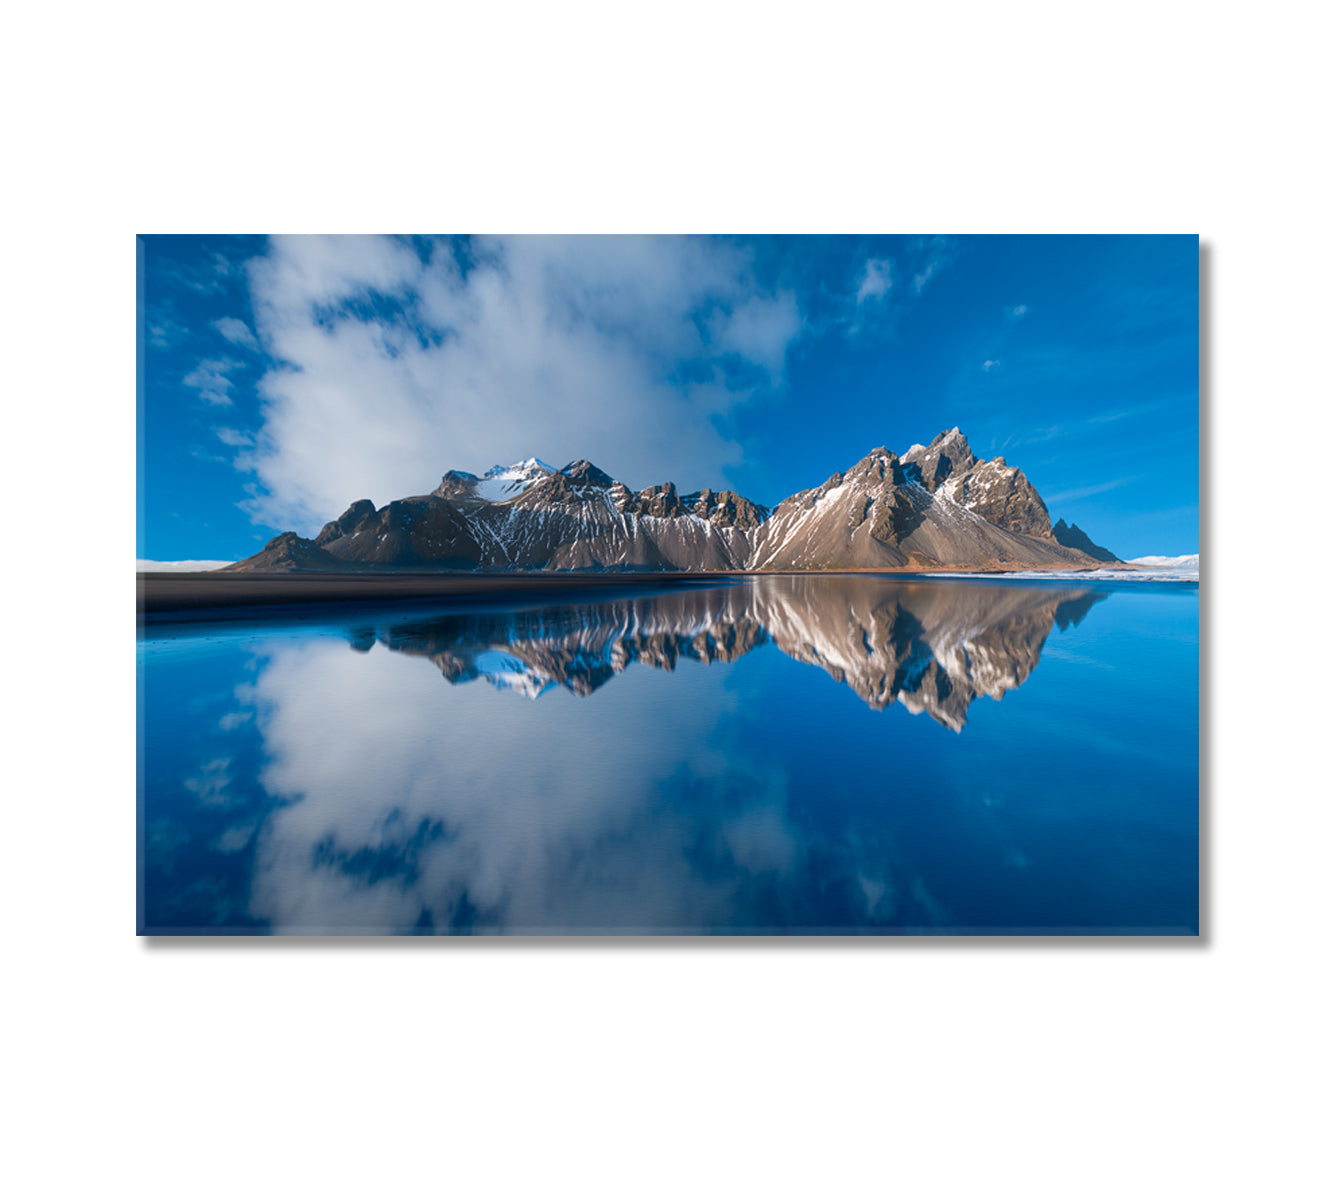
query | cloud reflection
[395, 803]
[408, 804]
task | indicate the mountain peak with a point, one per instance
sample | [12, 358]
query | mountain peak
[526, 467]
[879, 464]
[583, 471]
[495, 486]
[1075, 538]
[948, 455]
[949, 437]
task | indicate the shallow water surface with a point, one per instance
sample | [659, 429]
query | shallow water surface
[783, 755]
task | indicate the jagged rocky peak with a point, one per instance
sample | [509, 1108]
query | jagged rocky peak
[456, 485]
[584, 472]
[725, 509]
[992, 489]
[660, 500]
[880, 466]
[948, 455]
[357, 514]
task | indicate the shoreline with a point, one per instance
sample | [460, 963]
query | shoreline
[199, 594]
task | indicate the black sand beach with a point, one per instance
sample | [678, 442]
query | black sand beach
[187, 595]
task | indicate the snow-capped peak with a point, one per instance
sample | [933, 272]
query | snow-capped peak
[1179, 562]
[503, 483]
[528, 467]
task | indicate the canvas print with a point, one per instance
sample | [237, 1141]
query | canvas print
[668, 585]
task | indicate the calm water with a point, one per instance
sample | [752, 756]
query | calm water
[785, 755]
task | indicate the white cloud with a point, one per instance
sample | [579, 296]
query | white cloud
[206, 279]
[938, 253]
[875, 280]
[236, 331]
[759, 330]
[397, 366]
[1019, 310]
[361, 743]
[162, 328]
[234, 838]
[1093, 489]
[211, 784]
[991, 364]
[210, 380]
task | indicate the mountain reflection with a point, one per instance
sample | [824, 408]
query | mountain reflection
[932, 648]
[292, 785]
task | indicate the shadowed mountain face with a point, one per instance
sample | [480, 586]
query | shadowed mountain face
[1077, 539]
[938, 505]
[933, 649]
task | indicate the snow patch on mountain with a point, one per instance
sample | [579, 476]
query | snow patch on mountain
[1181, 562]
[188, 564]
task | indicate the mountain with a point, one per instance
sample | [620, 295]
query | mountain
[930, 649]
[937, 506]
[1181, 562]
[1077, 539]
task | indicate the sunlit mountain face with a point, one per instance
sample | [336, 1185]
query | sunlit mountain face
[832, 754]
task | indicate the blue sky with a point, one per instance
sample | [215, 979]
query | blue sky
[281, 379]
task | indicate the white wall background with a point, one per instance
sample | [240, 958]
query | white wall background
[753, 1069]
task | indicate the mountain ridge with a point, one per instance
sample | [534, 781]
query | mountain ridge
[937, 507]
